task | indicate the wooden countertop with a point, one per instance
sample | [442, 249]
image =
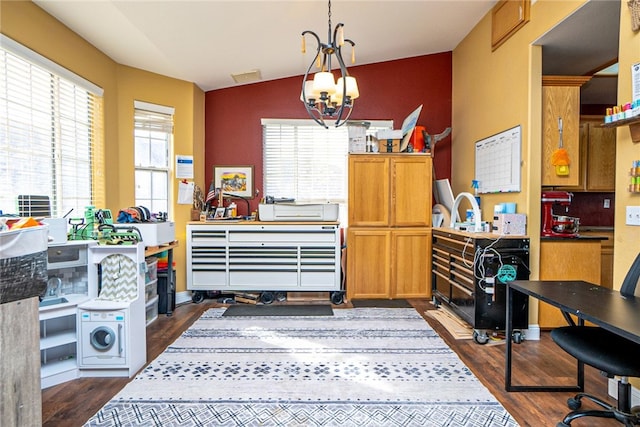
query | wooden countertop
[579, 238]
[482, 235]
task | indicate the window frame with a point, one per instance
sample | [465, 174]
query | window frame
[63, 103]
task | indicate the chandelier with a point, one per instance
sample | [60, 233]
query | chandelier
[323, 97]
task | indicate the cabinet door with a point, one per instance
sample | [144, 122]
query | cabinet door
[368, 191]
[411, 261]
[368, 263]
[601, 157]
[561, 99]
[411, 196]
[566, 260]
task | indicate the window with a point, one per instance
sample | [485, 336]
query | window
[153, 137]
[308, 162]
[50, 133]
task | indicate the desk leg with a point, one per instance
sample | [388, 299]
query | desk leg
[509, 344]
[508, 386]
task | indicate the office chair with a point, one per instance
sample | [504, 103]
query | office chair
[609, 353]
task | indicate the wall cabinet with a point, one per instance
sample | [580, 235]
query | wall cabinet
[561, 99]
[390, 190]
[597, 157]
[389, 235]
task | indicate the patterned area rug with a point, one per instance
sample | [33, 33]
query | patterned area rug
[359, 367]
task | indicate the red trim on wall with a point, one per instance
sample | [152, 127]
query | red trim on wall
[389, 90]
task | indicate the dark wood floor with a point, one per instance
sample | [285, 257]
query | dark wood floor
[74, 402]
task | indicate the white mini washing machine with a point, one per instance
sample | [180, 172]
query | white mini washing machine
[103, 340]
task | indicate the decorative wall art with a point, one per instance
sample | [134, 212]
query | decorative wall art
[236, 180]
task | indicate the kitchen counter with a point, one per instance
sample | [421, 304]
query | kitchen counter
[602, 228]
[480, 235]
[580, 237]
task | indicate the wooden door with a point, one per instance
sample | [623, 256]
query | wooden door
[368, 263]
[601, 157]
[368, 191]
[411, 196]
[411, 261]
[561, 99]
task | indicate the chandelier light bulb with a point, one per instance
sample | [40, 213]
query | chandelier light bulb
[310, 94]
[324, 82]
[352, 87]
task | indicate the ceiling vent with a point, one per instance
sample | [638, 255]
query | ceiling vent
[247, 77]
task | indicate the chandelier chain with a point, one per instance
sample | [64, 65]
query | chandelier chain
[323, 97]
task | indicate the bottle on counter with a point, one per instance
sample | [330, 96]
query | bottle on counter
[232, 210]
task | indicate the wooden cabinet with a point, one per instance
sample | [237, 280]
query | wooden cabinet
[566, 259]
[598, 145]
[389, 234]
[390, 190]
[597, 157]
[561, 99]
[606, 255]
[388, 263]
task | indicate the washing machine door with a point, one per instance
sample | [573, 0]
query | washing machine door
[102, 338]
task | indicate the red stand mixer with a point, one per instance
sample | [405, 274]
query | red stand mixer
[558, 225]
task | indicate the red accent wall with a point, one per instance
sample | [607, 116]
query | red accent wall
[388, 90]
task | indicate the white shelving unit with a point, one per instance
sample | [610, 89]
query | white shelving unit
[58, 333]
[151, 290]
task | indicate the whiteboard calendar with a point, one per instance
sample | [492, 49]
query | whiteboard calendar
[498, 162]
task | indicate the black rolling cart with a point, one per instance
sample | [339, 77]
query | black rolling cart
[470, 272]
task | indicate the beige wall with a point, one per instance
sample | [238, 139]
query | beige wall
[627, 238]
[26, 23]
[494, 91]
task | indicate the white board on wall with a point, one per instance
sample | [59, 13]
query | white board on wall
[498, 159]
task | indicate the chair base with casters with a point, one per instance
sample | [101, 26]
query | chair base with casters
[611, 354]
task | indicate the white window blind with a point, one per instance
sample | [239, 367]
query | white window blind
[153, 138]
[50, 133]
[308, 162]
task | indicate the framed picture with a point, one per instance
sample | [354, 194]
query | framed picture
[219, 213]
[236, 180]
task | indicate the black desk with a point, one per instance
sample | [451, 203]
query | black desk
[601, 306]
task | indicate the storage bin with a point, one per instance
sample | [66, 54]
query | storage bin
[151, 312]
[152, 269]
[150, 290]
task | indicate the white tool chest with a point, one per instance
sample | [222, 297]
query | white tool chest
[255, 256]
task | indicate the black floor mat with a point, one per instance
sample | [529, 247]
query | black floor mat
[279, 310]
[381, 303]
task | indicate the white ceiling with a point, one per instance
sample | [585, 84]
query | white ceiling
[206, 41]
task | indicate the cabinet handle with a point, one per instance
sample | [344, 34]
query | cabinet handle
[462, 288]
[437, 273]
[462, 277]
